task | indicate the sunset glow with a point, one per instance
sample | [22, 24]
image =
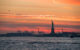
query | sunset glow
[29, 15]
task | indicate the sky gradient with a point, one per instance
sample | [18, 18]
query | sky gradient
[29, 15]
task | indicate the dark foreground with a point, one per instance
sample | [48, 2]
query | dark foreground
[39, 43]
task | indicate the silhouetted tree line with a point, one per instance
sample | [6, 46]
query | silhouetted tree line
[40, 34]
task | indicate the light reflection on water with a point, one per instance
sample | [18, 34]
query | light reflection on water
[39, 43]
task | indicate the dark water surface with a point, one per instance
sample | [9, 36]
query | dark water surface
[39, 43]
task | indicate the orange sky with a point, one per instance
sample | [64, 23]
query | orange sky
[30, 14]
[75, 2]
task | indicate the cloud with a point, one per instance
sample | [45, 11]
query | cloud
[74, 2]
[35, 25]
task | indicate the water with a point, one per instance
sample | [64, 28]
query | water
[39, 43]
